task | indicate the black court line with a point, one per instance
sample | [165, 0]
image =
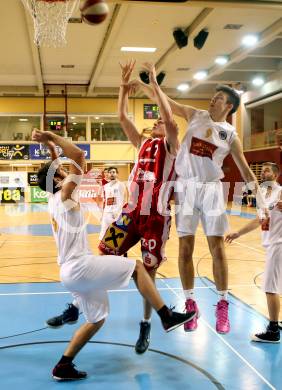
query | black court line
[211, 378]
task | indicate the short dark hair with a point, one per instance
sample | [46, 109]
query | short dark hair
[109, 169]
[273, 166]
[106, 169]
[42, 174]
[232, 97]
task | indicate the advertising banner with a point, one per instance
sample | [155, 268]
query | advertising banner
[41, 152]
[11, 195]
[32, 178]
[14, 152]
[37, 195]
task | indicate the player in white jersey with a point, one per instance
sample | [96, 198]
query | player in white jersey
[115, 195]
[272, 242]
[209, 139]
[86, 276]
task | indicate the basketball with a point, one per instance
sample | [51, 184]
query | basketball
[94, 11]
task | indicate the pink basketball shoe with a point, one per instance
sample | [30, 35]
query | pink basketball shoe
[191, 306]
[222, 321]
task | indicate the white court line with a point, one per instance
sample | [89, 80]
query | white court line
[249, 247]
[123, 290]
[227, 344]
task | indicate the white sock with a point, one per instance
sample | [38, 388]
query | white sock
[223, 295]
[75, 303]
[189, 294]
[147, 320]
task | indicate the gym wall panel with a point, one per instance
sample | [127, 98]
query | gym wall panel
[112, 151]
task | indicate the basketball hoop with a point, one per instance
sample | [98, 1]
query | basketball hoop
[50, 18]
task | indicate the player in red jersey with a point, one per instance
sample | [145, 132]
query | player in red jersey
[146, 217]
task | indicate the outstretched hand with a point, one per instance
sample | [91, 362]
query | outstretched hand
[231, 236]
[44, 137]
[150, 68]
[126, 71]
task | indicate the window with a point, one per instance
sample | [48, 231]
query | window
[77, 127]
[106, 128]
[18, 128]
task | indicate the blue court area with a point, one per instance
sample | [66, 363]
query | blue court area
[177, 360]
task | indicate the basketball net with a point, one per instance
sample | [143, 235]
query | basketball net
[50, 18]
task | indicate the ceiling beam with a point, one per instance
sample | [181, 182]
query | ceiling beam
[115, 24]
[35, 53]
[189, 31]
[241, 53]
[251, 4]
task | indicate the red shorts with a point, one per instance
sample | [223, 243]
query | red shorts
[129, 228]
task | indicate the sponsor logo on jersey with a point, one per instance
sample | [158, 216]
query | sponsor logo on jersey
[114, 237]
[145, 175]
[222, 135]
[123, 221]
[202, 148]
[149, 260]
[111, 201]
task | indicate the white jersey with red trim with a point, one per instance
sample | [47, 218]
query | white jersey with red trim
[272, 229]
[114, 196]
[69, 229]
[151, 176]
[203, 149]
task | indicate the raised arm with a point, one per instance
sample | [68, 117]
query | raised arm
[178, 109]
[71, 151]
[246, 172]
[171, 129]
[126, 123]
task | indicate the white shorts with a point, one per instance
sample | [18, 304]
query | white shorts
[201, 201]
[107, 220]
[90, 277]
[272, 278]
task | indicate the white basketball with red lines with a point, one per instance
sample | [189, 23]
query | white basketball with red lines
[94, 11]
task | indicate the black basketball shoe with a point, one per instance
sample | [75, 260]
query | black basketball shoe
[67, 372]
[269, 336]
[69, 316]
[176, 319]
[143, 341]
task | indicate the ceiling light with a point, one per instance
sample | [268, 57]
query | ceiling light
[139, 49]
[23, 119]
[97, 117]
[221, 60]
[72, 117]
[239, 91]
[74, 123]
[102, 123]
[183, 87]
[250, 40]
[201, 75]
[258, 81]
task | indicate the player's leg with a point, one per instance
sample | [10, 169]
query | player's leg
[215, 225]
[187, 275]
[95, 307]
[186, 225]
[272, 286]
[170, 319]
[220, 273]
[143, 341]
